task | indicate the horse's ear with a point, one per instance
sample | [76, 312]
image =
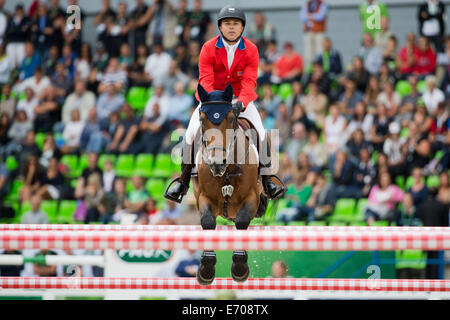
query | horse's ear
[202, 93]
[228, 93]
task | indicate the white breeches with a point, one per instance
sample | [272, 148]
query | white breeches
[250, 113]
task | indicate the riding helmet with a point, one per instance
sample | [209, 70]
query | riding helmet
[231, 12]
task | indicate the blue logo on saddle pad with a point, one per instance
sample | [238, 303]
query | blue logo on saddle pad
[215, 112]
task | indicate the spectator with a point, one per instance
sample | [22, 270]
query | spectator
[393, 145]
[82, 181]
[342, 174]
[440, 122]
[335, 124]
[407, 215]
[42, 30]
[28, 104]
[355, 144]
[175, 75]
[83, 63]
[154, 128]
[313, 16]
[109, 176]
[180, 105]
[115, 75]
[289, 66]
[348, 99]
[158, 64]
[330, 59]
[320, 78]
[137, 197]
[194, 58]
[361, 119]
[38, 82]
[94, 199]
[17, 31]
[425, 59]
[316, 150]
[390, 52]
[431, 22]
[299, 115]
[182, 20]
[199, 23]
[49, 64]
[139, 29]
[72, 133]
[51, 183]
[101, 19]
[15, 133]
[366, 14]
[30, 63]
[380, 126]
[316, 103]
[382, 200]
[28, 148]
[364, 174]
[170, 214]
[5, 67]
[390, 98]
[49, 151]
[282, 123]
[125, 57]
[108, 102]
[7, 101]
[371, 54]
[423, 120]
[418, 190]
[159, 97]
[268, 57]
[188, 266]
[406, 57]
[31, 173]
[69, 34]
[115, 204]
[36, 215]
[161, 18]
[409, 102]
[62, 82]
[48, 111]
[117, 29]
[261, 32]
[101, 57]
[136, 73]
[4, 180]
[382, 37]
[126, 137]
[3, 22]
[269, 101]
[432, 95]
[298, 141]
[81, 99]
[68, 59]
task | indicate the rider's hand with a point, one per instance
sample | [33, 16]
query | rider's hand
[238, 107]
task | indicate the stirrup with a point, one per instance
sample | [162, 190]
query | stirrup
[169, 197]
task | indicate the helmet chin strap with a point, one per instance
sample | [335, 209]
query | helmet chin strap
[232, 41]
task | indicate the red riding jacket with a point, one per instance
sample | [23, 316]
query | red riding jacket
[214, 72]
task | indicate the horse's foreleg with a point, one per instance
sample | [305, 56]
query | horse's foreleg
[239, 268]
[207, 270]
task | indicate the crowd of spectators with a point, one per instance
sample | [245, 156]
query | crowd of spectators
[375, 129]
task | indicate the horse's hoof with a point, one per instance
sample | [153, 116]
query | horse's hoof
[240, 272]
[240, 269]
[206, 274]
[206, 270]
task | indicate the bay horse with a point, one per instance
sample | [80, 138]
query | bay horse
[227, 183]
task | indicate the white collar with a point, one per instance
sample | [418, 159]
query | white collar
[231, 46]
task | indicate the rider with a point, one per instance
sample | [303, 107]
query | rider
[228, 58]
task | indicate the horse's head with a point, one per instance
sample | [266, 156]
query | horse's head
[216, 116]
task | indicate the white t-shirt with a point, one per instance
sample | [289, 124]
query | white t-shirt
[157, 66]
[432, 99]
[28, 107]
[72, 133]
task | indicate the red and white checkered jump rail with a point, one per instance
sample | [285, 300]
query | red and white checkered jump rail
[283, 238]
[283, 284]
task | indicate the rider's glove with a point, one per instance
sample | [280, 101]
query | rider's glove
[238, 107]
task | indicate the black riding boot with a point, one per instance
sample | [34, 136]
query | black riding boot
[272, 190]
[181, 186]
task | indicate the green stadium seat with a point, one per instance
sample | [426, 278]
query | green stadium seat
[24, 208]
[125, 165]
[358, 224]
[380, 223]
[137, 97]
[11, 163]
[50, 207]
[83, 163]
[71, 161]
[317, 223]
[285, 90]
[144, 165]
[337, 223]
[39, 138]
[276, 223]
[359, 210]
[344, 210]
[421, 86]
[156, 188]
[163, 166]
[67, 209]
[103, 157]
[439, 154]
[400, 182]
[403, 88]
[297, 223]
[410, 182]
[433, 182]
[14, 191]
